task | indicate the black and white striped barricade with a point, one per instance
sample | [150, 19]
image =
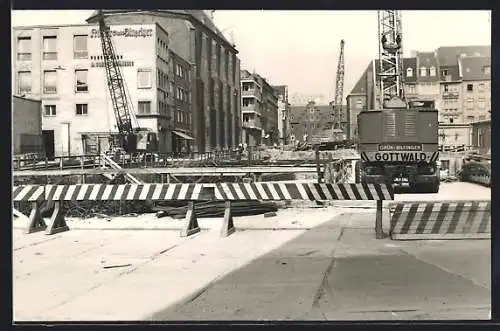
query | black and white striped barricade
[426, 220]
[283, 191]
[270, 191]
[36, 195]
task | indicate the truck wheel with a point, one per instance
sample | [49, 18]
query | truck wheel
[433, 188]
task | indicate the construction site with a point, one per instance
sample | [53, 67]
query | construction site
[395, 181]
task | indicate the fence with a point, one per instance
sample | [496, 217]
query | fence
[228, 192]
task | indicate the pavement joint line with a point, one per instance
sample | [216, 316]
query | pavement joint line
[123, 273]
[324, 278]
[473, 282]
[38, 242]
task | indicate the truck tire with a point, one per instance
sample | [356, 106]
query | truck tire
[433, 188]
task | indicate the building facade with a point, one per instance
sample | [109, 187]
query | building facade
[26, 126]
[476, 88]
[308, 120]
[63, 66]
[259, 110]
[434, 76]
[215, 71]
[283, 113]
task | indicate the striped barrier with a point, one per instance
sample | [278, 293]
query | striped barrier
[275, 191]
[221, 191]
[441, 220]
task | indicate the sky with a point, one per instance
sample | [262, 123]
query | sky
[301, 48]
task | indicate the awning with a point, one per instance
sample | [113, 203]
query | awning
[183, 135]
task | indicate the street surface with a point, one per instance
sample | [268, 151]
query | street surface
[311, 264]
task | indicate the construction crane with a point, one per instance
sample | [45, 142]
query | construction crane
[131, 138]
[390, 78]
[339, 90]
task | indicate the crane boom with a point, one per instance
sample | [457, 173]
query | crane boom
[339, 89]
[115, 82]
[390, 79]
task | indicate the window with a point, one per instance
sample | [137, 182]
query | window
[481, 87]
[409, 72]
[50, 48]
[444, 72]
[49, 110]
[81, 81]
[482, 118]
[144, 107]
[481, 103]
[470, 88]
[144, 78]
[359, 104]
[446, 88]
[80, 50]
[24, 82]
[487, 70]
[50, 82]
[423, 71]
[451, 119]
[470, 103]
[82, 109]
[24, 48]
[470, 118]
[432, 71]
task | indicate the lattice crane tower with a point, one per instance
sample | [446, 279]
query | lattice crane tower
[390, 78]
[339, 90]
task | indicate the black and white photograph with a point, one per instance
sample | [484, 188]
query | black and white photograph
[251, 165]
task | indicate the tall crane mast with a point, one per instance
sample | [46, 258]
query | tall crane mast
[339, 90]
[116, 87]
[390, 78]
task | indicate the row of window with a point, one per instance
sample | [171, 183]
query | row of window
[143, 108]
[182, 95]
[80, 109]
[452, 118]
[24, 47]
[181, 72]
[182, 117]
[24, 79]
[424, 71]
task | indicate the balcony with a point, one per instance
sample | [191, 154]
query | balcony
[252, 93]
[451, 95]
[250, 109]
[252, 124]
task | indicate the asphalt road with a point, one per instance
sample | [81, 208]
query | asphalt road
[342, 273]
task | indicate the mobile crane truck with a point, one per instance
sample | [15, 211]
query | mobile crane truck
[398, 143]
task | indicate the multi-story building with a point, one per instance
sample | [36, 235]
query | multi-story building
[182, 116]
[63, 66]
[259, 110]
[308, 120]
[283, 113]
[476, 88]
[451, 80]
[215, 70]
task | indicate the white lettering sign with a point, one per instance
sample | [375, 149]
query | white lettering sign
[400, 157]
[127, 32]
